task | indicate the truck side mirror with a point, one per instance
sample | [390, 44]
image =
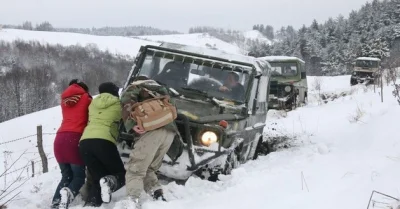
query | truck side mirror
[303, 75]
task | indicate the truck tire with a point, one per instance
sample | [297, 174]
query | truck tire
[262, 149]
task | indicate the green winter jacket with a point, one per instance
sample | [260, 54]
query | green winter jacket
[104, 117]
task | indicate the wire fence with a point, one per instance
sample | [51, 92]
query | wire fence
[19, 139]
[30, 164]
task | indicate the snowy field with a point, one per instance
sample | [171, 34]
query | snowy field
[342, 151]
[116, 44]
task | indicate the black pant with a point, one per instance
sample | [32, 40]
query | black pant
[73, 177]
[101, 158]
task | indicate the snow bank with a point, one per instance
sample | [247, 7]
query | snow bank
[329, 84]
[336, 163]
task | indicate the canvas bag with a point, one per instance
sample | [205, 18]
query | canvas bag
[153, 113]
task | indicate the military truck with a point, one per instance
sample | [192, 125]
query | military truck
[218, 130]
[365, 70]
[288, 86]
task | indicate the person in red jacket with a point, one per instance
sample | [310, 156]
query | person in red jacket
[75, 101]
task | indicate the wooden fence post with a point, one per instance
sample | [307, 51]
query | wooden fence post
[41, 150]
[33, 168]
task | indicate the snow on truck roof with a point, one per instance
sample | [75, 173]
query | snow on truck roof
[368, 58]
[281, 58]
[213, 53]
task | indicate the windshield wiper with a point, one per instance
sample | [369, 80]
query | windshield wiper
[195, 90]
[204, 93]
[215, 100]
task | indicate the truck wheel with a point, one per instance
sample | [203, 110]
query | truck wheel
[262, 149]
[294, 103]
[353, 81]
[305, 103]
[231, 163]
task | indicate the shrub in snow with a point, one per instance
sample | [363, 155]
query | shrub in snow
[396, 92]
[358, 114]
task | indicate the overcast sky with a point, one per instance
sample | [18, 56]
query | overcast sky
[174, 14]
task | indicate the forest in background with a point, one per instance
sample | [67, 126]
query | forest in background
[103, 31]
[32, 75]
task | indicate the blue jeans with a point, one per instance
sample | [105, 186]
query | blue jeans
[73, 177]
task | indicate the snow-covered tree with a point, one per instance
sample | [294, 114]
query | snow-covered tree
[373, 30]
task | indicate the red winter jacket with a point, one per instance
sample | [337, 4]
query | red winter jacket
[74, 105]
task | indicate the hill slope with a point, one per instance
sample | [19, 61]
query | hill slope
[255, 35]
[343, 150]
[195, 39]
[115, 44]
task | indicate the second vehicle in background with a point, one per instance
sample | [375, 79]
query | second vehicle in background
[288, 86]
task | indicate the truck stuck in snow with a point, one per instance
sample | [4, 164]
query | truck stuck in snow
[218, 129]
[365, 70]
[288, 86]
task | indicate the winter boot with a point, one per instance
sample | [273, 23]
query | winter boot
[66, 198]
[158, 194]
[55, 204]
[107, 184]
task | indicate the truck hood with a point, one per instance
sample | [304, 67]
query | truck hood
[205, 112]
[282, 80]
[360, 69]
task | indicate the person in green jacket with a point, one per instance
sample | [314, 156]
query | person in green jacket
[98, 146]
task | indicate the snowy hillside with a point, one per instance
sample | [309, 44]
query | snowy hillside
[195, 39]
[256, 35]
[343, 149]
[116, 44]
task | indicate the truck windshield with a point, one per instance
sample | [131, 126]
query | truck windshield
[285, 69]
[193, 76]
[366, 64]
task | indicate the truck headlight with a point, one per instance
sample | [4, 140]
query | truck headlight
[288, 88]
[208, 137]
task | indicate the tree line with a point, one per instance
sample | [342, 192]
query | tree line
[33, 75]
[103, 31]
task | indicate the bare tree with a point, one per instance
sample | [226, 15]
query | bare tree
[10, 192]
[27, 25]
[392, 64]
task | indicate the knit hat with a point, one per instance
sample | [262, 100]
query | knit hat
[109, 87]
[80, 83]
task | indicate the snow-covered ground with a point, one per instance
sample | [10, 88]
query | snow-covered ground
[343, 150]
